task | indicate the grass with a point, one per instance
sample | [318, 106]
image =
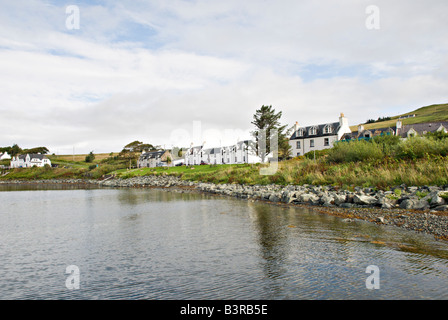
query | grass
[432, 113]
[381, 174]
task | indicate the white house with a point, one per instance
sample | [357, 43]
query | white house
[29, 160]
[241, 152]
[317, 137]
[4, 156]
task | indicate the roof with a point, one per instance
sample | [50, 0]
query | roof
[319, 133]
[420, 128]
[33, 156]
[152, 155]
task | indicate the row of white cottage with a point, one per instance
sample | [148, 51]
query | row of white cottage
[241, 152]
[302, 140]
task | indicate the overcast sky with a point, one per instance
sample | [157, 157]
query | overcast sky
[172, 72]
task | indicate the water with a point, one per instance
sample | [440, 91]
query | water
[155, 244]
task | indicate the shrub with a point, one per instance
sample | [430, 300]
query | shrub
[419, 147]
[354, 151]
[90, 157]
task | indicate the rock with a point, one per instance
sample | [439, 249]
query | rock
[441, 208]
[364, 200]
[288, 196]
[380, 219]
[308, 198]
[327, 200]
[338, 198]
[415, 204]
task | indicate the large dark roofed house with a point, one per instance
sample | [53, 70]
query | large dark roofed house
[317, 137]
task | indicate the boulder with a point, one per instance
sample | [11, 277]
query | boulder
[308, 198]
[364, 199]
[414, 204]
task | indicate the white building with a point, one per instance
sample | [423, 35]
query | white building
[29, 160]
[317, 137]
[5, 156]
[241, 152]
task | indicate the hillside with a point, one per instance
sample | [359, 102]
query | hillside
[432, 113]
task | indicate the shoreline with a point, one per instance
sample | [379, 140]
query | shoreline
[420, 209]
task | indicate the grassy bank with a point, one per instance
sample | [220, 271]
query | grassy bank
[381, 174]
[382, 163]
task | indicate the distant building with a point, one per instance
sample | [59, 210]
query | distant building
[29, 160]
[154, 159]
[5, 156]
[241, 152]
[317, 137]
[403, 131]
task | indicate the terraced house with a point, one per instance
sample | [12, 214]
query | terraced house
[317, 137]
[241, 152]
[29, 160]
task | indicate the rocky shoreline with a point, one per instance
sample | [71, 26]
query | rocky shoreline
[422, 209]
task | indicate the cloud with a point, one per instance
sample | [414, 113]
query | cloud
[138, 70]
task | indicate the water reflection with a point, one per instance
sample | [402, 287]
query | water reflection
[157, 244]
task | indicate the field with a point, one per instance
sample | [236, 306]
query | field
[433, 113]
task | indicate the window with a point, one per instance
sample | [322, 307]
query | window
[311, 143]
[328, 129]
[313, 131]
[326, 142]
[298, 145]
[300, 132]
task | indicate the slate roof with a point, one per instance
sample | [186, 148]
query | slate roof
[33, 156]
[423, 127]
[319, 133]
[152, 155]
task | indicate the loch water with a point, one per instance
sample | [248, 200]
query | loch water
[166, 244]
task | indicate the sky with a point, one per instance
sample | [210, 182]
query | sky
[179, 72]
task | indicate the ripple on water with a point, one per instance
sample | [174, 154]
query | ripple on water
[150, 244]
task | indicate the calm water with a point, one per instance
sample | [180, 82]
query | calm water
[154, 244]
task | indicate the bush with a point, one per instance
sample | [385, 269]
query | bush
[419, 147]
[353, 151]
[90, 157]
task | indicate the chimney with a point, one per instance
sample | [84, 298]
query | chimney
[398, 127]
[343, 121]
[296, 126]
[360, 128]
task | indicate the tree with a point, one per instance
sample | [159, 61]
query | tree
[15, 150]
[90, 157]
[266, 120]
[41, 150]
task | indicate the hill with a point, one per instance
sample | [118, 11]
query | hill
[432, 113]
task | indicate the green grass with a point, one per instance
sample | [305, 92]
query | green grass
[432, 113]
